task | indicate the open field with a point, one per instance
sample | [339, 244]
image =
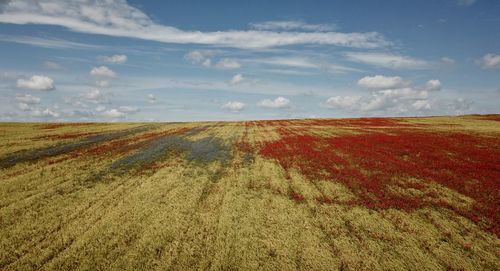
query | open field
[319, 194]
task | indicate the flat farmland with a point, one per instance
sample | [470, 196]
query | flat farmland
[314, 194]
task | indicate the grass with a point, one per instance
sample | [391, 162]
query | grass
[346, 194]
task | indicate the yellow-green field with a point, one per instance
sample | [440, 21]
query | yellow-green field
[353, 194]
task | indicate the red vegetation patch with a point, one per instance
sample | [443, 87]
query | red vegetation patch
[296, 196]
[367, 164]
[360, 122]
[67, 136]
[59, 125]
[357, 123]
[242, 145]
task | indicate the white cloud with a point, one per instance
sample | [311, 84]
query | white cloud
[279, 102]
[128, 109]
[388, 94]
[201, 57]
[489, 61]
[114, 59]
[381, 82]
[421, 105]
[234, 106]
[102, 83]
[407, 93]
[119, 112]
[303, 63]
[113, 113]
[45, 113]
[24, 106]
[236, 79]
[433, 85]
[342, 102]
[448, 60]
[52, 65]
[47, 42]
[228, 64]
[117, 18]
[466, 2]
[390, 61]
[102, 71]
[292, 25]
[151, 98]
[28, 99]
[100, 108]
[36, 82]
[94, 94]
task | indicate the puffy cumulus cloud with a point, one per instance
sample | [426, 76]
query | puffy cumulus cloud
[228, 64]
[102, 71]
[47, 112]
[28, 99]
[381, 82]
[151, 98]
[119, 112]
[389, 94]
[36, 82]
[236, 79]
[24, 106]
[94, 96]
[433, 85]
[342, 102]
[118, 18]
[233, 106]
[113, 113]
[201, 57]
[390, 61]
[114, 59]
[489, 61]
[279, 102]
[292, 25]
[421, 105]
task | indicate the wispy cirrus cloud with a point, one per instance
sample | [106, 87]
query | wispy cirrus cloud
[390, 61]
[117, 18]
[292, 25]
[302, 62]
[52, 43]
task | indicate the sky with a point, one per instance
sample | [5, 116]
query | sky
[118, 60]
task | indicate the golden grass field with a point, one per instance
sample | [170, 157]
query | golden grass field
[347, 194]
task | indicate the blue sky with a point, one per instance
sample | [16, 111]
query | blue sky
[120, 60]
